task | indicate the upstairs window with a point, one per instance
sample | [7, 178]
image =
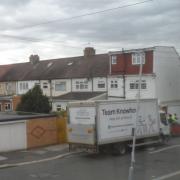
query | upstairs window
[37, 84]
[60, 86]
[137, 58]
[45, 85]
[114, 84]
[23, 86]
[113, 59]
[101, 84]
[82, 84]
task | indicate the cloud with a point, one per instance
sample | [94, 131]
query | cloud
[13, 3]
[149, 24]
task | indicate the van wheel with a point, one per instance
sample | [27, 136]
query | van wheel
[119, 149]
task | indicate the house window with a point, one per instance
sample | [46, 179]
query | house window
[7, 106]
[143, 85]
[45, 85]
[20, 86]
[114, 84]
[23, 86]
[58, 108]
[113, 59]
[137, 58]
[37, 84]
[82, 84]
[101, 84]
[135, 85]
[60, 86]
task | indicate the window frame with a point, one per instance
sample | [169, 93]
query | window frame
[81, 85]
[113, 59]
[114, 84]
[138, 57]
[100, 83]
[45, 85]
[6, 107]
[134, 85]
[60, 84]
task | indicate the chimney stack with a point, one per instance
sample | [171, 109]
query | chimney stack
[34, 59]
[89, 51]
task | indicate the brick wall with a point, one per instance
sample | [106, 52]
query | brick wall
[124, 64]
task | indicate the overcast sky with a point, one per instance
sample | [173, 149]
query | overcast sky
[44, 27]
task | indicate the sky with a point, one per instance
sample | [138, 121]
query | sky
[55, 28]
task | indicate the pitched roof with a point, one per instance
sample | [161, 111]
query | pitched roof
[73, 67]
[78, 96]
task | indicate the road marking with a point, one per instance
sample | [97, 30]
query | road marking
[2, 158]
[164, 149]
[167, 176]
[38, 161]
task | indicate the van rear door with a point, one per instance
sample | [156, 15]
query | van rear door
[81, 125]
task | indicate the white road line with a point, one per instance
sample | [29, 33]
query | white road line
[2, 158]
[167, 176]
[164, 149]
[37, 161]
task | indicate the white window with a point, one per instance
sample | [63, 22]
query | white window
[7, 106]
[143, 84]
[60, 86]
[58, 108]
[20, 86]
[82, 84]
[37, 84]
[101, 84]
[114, 84]
[113, 59]
[135, 85]
[23, 86]
[137, 58]
[45, 85]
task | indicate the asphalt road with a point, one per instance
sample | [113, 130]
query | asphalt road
[158, 163]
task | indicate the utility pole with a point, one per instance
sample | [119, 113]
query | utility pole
[131, 168]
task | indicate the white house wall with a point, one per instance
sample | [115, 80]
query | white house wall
[149, 92]
[116, 92]
[31, 84]
[167, 71]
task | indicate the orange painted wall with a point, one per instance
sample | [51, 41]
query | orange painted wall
[42, 132]
[46, 131]
[16, 100]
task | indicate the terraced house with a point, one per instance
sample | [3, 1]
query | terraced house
[94, 76]
[62, 80]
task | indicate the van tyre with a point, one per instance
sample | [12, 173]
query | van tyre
[119, 149]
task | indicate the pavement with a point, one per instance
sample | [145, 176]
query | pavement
[21, 157]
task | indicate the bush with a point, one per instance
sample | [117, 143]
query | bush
[34, 101]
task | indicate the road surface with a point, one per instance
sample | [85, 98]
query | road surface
[158, 163]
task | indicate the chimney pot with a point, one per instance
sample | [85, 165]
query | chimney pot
[89, 51]
[34, 59]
